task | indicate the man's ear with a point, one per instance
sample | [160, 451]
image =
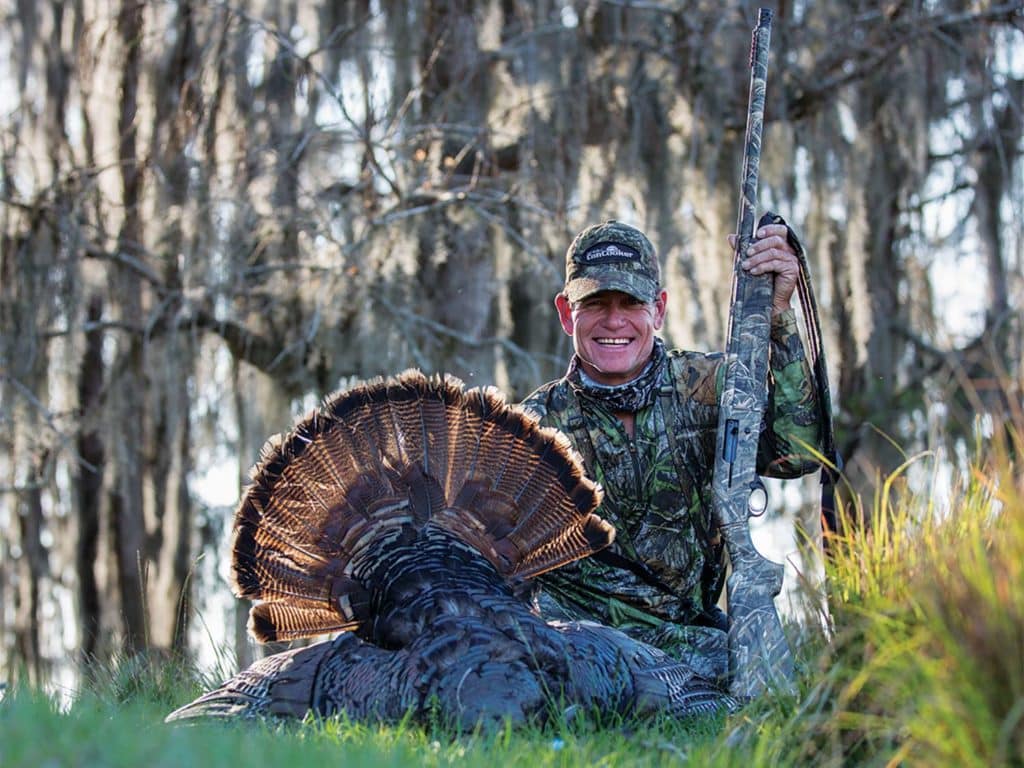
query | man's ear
[564, 313]
[660, 305]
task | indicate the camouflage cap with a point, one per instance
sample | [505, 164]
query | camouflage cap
[611, 256]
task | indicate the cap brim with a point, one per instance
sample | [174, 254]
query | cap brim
[639, 287]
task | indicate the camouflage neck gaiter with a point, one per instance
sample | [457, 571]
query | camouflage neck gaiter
[629, 397]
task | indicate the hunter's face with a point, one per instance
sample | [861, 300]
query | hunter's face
[612, 333]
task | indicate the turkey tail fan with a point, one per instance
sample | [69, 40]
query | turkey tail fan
[374, 465]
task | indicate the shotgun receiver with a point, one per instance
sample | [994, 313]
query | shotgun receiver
[759, 655]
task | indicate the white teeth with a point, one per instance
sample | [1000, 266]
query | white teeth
[616, 342]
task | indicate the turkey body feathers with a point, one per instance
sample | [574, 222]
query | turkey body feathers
[406, 514]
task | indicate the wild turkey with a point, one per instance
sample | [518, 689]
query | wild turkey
[409, 515]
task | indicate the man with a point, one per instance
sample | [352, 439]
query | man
[644, 420]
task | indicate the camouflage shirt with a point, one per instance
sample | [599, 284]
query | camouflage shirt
[658, 487]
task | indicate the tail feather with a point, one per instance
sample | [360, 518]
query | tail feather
[266, 565]
[407, 408]
[391, 456]
[272, 622]
[547, 523]
[463, 443]
[507, 453]
[590, 535]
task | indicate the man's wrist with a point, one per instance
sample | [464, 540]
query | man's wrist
[784, 319]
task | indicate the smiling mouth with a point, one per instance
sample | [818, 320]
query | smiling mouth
[613, 342]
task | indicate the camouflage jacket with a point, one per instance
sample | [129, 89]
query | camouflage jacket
[658, 486]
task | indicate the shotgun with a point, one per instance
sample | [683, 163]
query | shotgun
[759, 656]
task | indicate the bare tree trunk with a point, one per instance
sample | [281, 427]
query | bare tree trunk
[34, 571]
[89, 481]
[173, 222]
[884, 194]
[454, 259]
[129, 375]
[988, 366]
[176, 557]
[24, 309]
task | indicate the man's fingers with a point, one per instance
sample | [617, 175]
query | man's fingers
[769, 262]
[772, 230]
[777, 259]
[771, 243]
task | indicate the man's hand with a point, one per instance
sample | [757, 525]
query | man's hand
[770, 252]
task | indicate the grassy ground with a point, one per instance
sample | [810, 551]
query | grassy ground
[921, 662]
[100, 731]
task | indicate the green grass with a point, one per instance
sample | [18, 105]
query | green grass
[922, 663]
[102, 732]
[926, 661]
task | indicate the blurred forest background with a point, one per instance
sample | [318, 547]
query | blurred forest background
[215, 213]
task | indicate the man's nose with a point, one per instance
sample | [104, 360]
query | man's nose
[615, 315]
